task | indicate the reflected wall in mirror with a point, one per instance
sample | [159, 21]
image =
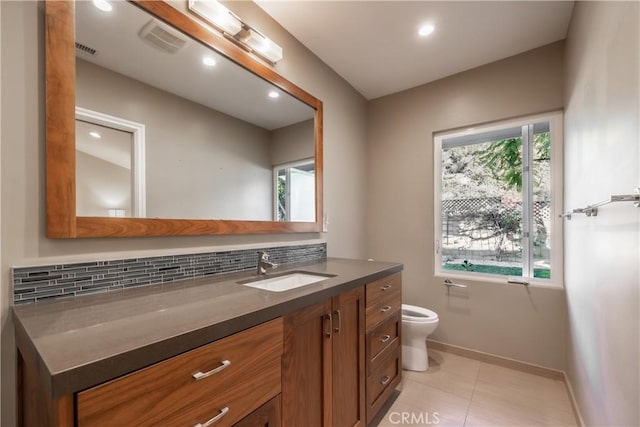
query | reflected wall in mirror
[214, 131]
[103, 170]
[190, 142]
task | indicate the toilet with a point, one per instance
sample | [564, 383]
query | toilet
[417, 324]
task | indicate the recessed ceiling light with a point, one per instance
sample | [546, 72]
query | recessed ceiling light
[426, 29]
[103, 5]
[273, 94]
[208, 61]
[95, 134]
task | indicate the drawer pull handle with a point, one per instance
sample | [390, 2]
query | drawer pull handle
[385, 338]
[337, 329]
[385, 380]
[385, 288]
[385, 308]
[215, 419]
[201, 375]
[330, 319]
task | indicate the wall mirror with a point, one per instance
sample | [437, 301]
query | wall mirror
[157, 125]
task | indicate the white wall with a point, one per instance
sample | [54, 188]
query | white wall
[602, 157]
[22, 195]
[514, 321]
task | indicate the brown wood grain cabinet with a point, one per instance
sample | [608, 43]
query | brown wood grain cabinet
[323, 365]
[383, 339]
[217, 384]
[268, 415]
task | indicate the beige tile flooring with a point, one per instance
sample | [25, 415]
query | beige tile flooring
[457, 391]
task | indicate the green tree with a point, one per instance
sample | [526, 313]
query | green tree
[281, 198]
[504, 158]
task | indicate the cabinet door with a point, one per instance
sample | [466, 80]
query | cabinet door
[349, 359]
[306, 367]
[268, 415]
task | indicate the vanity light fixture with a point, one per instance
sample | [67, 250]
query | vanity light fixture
[217, 14]
[426, 30]
[103, 5]
[273, 94]
[263, 46]
[95, 134]
[235, 30]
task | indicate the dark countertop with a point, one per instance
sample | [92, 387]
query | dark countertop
[81, 342]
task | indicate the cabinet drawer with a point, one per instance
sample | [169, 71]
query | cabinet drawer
[387, 375]
[168, 393]
[382, 340]
[268, 415]
[381, 288]
[384, 298]
[383, 309]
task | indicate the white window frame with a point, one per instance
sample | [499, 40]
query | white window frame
[288, 165]
[555, 120]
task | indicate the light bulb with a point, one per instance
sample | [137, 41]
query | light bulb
[208, 61]
[426, 29]
[103, 5]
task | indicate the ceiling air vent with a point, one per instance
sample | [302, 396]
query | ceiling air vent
[162, 36]
[85, 49]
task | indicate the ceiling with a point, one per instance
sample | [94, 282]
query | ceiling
[375, 46]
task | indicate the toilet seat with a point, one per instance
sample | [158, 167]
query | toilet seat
[412, 313]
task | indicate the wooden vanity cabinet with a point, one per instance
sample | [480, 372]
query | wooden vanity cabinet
[332, 364]
[224, 381]
[383, 340]
[323, 365]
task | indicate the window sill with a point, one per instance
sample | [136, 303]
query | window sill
[495, 279]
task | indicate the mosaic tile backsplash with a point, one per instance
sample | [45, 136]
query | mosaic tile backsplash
[32, 284]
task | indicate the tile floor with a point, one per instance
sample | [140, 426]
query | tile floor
[457, 391]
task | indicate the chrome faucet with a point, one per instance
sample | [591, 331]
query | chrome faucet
[264, 263]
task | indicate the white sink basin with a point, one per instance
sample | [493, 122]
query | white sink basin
[286, 282]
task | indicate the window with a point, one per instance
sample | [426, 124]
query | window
[295, 191]
[498, 194]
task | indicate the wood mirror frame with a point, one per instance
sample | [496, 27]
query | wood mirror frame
[62, 220]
